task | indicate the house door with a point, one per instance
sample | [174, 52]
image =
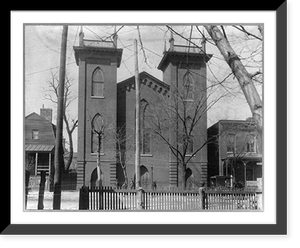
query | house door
[189, 179]
[145, 178]
[240, 173]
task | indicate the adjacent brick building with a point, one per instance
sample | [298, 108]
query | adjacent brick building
[164, 104]
[235, 148]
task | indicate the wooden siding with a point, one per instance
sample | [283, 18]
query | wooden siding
[46, 133]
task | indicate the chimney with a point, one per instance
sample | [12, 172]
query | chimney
[46, 113]
[171, 40]
[81, 36]
[115, 38]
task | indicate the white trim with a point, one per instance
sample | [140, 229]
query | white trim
[95, 154]
[97, 97]
[146, 155]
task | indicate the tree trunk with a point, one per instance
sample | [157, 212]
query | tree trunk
[181, 175]
[42, 191]
[27, 177]
[121, 160]
[71, 151]
[125, 176]
[240, 72]
[69, 159]
[99, 172]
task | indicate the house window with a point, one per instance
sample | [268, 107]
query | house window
[35, 134]
[251, 143]
[97, 134]
[145, 130]
[231, 143]
[188, 84]
[98, 83]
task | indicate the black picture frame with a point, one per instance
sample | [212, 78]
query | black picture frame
[280, 228]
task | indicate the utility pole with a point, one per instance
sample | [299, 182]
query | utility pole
[58, 156]
[137, 131]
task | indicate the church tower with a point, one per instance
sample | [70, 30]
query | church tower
[98, 61]
[184, 69]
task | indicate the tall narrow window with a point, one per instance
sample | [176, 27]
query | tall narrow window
[251, 143]
[97, 134]
[145, 131]
[231, 143]
[188, 137]
[188, 84]
[98, 83]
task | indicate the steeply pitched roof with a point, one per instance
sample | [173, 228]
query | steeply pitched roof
[46, 128]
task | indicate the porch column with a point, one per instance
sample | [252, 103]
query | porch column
[49, 164]
[36, 163]
[245, 172]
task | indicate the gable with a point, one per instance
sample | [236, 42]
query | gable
[34, 116]
[147, 80]
[44, 130]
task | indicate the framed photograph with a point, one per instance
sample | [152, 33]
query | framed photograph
[202, 158]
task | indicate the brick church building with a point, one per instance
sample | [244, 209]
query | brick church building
[172, 116]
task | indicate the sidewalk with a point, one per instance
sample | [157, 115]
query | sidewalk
[69, 200]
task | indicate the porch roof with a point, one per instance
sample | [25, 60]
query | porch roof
[38, 148]
[245, 157]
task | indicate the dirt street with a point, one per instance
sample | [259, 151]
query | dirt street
[69, 200]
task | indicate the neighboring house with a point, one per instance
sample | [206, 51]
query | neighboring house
[40, 148]
[235, 148]
[39, 142]
[102, 100]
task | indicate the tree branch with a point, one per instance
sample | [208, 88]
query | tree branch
[242, 29]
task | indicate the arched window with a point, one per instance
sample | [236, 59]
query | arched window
[188, 84]
[97, 134]
[145, 177]
[145, 132]
[98, 83]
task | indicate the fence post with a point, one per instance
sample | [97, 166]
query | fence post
[42, 190]
[202, 196]
[27, 176]
[259, 201]
[84, 198]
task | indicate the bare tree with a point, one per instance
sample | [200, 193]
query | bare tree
[243, 76]
[29, 162]
[183, 117]
[124, 144]
[220, 39]
[70, 123]
[98, 135]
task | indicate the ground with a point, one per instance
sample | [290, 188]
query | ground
[69, 200]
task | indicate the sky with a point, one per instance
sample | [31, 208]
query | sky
[42, 56]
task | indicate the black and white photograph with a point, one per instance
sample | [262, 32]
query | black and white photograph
[148, 123]
[144, 117]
